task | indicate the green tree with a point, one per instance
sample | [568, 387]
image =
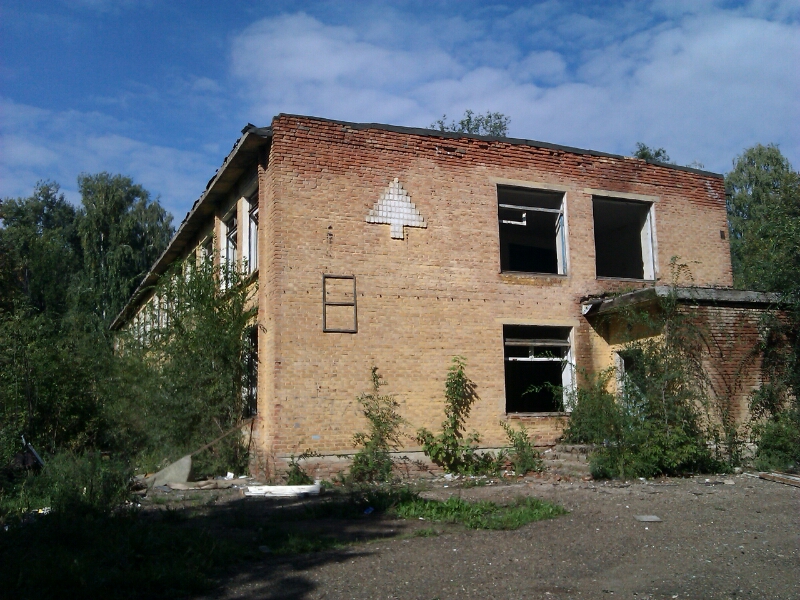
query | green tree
[122, 233]
[645, 152]
[763, 200]
[492, 123]
[42, 250]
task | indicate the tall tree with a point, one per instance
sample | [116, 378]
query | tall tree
[763, 199]
[492, 123]
[122, 233]
[40, 238]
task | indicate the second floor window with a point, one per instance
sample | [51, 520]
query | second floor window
[252, 237]
[532, 233]
[231, 232]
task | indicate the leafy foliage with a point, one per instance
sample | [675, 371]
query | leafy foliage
[645, 152]
[373, 462]
[523, 456]
[492, 123]
[296, 474]
[763, 199]
[197, 350]
[659, 422]
[451, 449]
[480, 515]
[122, 233]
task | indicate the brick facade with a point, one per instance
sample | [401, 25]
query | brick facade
[434, 290]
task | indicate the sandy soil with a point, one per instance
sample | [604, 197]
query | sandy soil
[739, 539]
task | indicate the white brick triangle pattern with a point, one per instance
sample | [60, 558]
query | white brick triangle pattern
[396, 209]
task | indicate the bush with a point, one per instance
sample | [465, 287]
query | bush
[296, 474]
[779, 442]
[373, 462]
[451, 449]
[523, 456]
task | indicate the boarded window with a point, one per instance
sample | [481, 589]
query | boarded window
[539, 370]
[532, 234]
[339, 308]
[623, 239]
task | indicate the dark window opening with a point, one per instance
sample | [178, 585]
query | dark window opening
[532, 237]
[538, 368]
[623, 239]
[250, 407]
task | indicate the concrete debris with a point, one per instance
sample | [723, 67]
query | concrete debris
[177, 472]
[781, 478]
[647, 518]
[283, 491]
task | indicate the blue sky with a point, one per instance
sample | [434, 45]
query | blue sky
[159, 91]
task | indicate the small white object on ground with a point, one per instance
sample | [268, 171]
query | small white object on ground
[229, 476]
[283, 491]
[647, 518]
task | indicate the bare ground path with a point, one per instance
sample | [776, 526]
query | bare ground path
[716, 540]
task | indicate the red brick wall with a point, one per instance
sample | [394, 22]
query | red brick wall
[438, 292]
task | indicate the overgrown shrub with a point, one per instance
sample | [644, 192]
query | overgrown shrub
[373, 462]
[523, 456]
[778, 442]
[451, 449]
[296, 475]
[660, 421]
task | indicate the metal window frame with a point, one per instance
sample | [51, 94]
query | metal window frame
[326, 304]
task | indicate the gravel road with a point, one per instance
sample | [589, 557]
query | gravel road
[729, 537]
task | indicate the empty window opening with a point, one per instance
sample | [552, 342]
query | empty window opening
[231, 246]
[250, 390]
[630, 375]
[532, 236]
[538, 368]
[623, 239]
[339, 308]
[252, 237]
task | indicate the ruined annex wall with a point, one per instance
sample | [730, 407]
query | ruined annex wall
[731, 336]
[439, 291]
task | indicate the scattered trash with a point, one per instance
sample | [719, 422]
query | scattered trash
[647, 518]
[177, 472]
[283, 491]
[729, 482]
[209, 484]
[229, 476]
[369, 510]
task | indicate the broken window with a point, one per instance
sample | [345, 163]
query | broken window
[630, 373]
[207, 248]
[252, 237]
[339, 310]
[538, 368]
[623, 243]
[532, 235]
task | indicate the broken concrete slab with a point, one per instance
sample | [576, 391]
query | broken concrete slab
[178, 472]
[647, 518]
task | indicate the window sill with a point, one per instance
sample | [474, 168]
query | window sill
[524, 277]
[604, 278]
[534, 415]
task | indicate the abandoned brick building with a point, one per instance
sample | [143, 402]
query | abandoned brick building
[401, 248]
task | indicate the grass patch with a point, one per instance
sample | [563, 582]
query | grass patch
[480, 515]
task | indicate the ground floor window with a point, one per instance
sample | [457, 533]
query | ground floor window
[539, 369]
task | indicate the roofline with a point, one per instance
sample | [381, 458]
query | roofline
[261, 136]
[506, 140]
[698, 295]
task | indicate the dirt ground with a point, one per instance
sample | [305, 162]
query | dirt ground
[739, 539]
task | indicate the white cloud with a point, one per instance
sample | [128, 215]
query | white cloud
[702, 82]
[40, 144]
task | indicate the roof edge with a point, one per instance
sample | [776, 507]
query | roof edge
[161, 263]
[492, 138]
